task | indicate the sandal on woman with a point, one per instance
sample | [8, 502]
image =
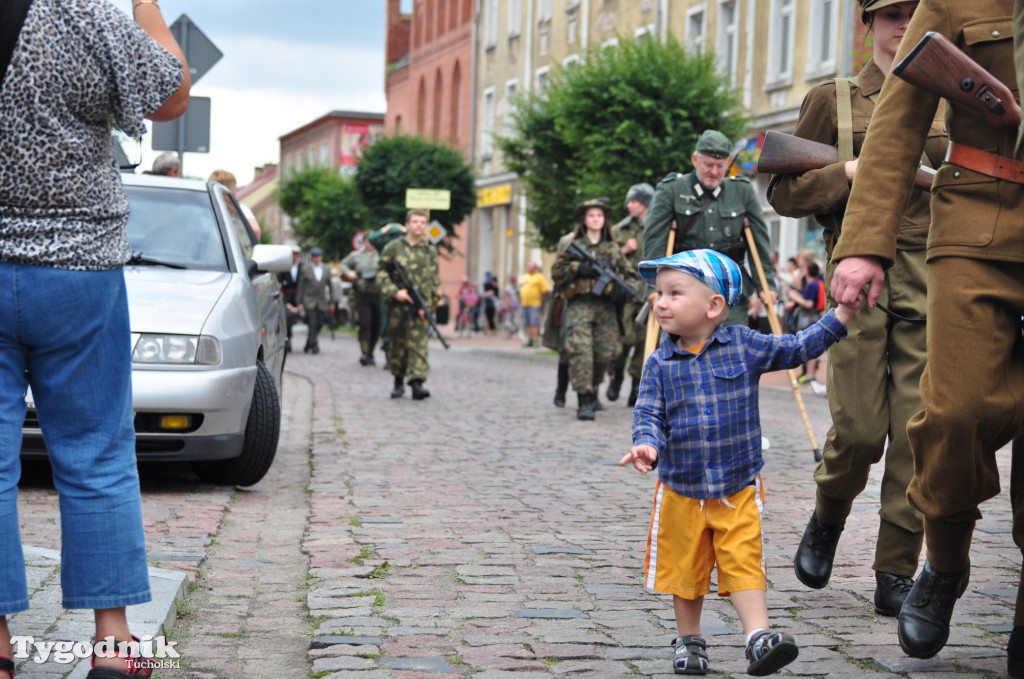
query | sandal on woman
[690, 656]
[7, 665]
[133, 670]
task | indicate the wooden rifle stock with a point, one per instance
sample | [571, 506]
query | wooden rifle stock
[937, 66]
[788, 154]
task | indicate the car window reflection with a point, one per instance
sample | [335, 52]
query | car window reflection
[178, 227]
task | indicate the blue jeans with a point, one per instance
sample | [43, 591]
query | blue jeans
[66, 333]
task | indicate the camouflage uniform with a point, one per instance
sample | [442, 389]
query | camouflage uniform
[407, 353]
[633, 337]
[592, 339]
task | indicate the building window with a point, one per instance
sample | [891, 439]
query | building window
[453, 14]
[780, 42]
[456, 112]
[727, 38]
[511, 90]
[398, 125]
[821, 59]
[572, 25]
[545, 10]
[429, 9]
[487, 125]
[437, 105]
[515, 17]
[324, 160]
[644, 32]
[310, 157]
[442, 7]
[695, 28]
[541, 79]
[421, 108]
[570, 61]
[491, 24]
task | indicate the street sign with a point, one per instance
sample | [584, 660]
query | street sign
[200, 53]
[190, 132]
[428, 199]
[435, 232]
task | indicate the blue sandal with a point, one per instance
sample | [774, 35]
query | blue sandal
[690, 656]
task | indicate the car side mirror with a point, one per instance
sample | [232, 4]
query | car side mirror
[269, 258]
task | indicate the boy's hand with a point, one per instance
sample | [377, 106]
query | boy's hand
[643, 458]
[846, 312]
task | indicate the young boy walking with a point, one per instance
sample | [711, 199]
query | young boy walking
[697, 420]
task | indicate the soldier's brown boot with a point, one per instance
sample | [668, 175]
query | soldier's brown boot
[418, 391]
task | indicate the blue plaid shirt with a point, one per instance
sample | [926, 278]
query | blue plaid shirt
[700, 412]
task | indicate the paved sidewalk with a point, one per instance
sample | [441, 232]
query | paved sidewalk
[46, 620]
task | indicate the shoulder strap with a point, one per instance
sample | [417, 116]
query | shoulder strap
[12, 18]
[844, 119]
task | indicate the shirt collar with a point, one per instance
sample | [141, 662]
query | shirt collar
[669, 348]
[698, 188]
[870, 78]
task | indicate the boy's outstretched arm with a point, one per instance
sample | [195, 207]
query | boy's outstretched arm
[643, 458]
[846, 312]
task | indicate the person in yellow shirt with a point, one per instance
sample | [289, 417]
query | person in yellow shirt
[532, 290]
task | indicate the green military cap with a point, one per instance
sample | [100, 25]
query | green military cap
[603, 203]
[715, 144]
[870, 6]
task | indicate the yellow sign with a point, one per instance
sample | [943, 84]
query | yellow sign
[494, 195]
[428, 199]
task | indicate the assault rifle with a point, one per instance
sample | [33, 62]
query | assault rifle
[936, 65]
[397, 275]
[605, 275]
[788, 154]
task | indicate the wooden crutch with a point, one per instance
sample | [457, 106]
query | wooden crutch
[653, 329]
[773, 320]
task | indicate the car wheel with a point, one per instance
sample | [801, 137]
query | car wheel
[262, 430]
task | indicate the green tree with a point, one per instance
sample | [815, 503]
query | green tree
[623, 116]
[394, 164]
[327, 209]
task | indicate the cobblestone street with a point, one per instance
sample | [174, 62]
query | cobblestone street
[484, 531]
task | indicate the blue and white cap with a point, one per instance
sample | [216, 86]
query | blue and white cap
[717, 271]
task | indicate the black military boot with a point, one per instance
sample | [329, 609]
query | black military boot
[924, 619]
[585, 410]
[563, 384]
[615, 385]
[817, 551]
[634, 391]
[418, 391]
[891, 591]
[399, 389]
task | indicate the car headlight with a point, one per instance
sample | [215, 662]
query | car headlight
[177, 350]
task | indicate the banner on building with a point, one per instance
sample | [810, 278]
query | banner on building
[355, 139]
[746, 159]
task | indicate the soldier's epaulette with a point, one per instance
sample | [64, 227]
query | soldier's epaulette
[671, 176]
[740, 177]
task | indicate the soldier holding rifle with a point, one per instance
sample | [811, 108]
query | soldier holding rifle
[973, 384]
[873, 378]
[409, 336]
[709, 211]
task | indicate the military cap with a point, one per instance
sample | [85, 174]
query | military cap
[643, 193]
[870, 6]
[316, 251]
[715, 144]
[581, 208]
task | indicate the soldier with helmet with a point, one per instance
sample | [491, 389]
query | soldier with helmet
[709, 211]
[874, 377]
[592, 338]
[629, 235]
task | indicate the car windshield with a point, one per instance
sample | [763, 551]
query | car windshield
[174, 226]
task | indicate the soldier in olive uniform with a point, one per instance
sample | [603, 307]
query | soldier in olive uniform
[629, 235]
[592, 334]
[873, 377]
[410, 335]
[360, 268]
[973, 385]
[709, 211]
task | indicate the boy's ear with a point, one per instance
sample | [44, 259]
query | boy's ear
[716, 304]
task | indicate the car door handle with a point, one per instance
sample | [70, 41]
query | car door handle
[276, 294]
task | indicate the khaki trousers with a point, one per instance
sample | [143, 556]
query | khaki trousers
[873, 390]
[973, 394]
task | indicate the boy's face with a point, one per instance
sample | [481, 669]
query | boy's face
[683, 303]
[416, 226]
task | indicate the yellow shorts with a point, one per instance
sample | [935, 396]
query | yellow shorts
[689, 536]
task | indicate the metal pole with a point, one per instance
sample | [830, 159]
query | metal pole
[181, 121]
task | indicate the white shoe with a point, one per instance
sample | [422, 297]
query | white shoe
[765, 443]
[818, 389]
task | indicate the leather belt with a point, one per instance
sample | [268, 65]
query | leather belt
[985, 163]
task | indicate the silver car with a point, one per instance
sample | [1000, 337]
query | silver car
[208, 332]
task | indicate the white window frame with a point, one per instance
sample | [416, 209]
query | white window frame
[546, 10]
[644, 32]
[728, 40]
[515, 18]
[511, 91]
[780, 43]
[491, 24]
[570, 61]
[698, 41]
[540, 79]
[823, 13]
[324, 159]
[610, 43]
[487, 109]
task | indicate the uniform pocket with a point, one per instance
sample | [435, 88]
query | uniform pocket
[964, 207]
[985, 42]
